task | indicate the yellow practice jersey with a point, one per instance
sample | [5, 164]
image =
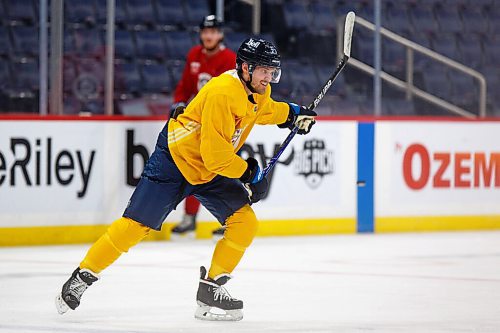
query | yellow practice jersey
[204, 139]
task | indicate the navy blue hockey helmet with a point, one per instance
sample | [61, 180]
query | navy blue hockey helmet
[211, 21]
[259, 52]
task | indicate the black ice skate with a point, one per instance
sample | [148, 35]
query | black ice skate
[187, 225]
[214, 302]
[73, 289]
[219, 233]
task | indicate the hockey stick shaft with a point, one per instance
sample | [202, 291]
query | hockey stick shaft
[280, 151]
[312, 106]
[348, 28]
[349, 25]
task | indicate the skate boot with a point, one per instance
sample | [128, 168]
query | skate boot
[73, 289]
[214, 302]
[187, 224]
[219, 232]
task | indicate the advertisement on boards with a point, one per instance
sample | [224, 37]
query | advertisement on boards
[50, 169]
[83, 172]
[314, 178]
[437, 168]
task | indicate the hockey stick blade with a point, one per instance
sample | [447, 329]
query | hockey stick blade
[348, 28]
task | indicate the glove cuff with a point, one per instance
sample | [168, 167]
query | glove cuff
[251, 171]
[290, 119]
[295, 108]
[177, 109]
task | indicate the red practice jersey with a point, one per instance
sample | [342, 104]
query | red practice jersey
[200, 68]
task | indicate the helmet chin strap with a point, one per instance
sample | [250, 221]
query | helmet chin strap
[249, 86]
[248, 83]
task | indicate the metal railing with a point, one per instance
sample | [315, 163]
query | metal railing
[408, 84]
[256, 13]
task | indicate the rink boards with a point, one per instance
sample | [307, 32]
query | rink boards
[437, 175]
[63, 181]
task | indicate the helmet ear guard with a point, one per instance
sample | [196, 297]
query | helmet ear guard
[239, 70]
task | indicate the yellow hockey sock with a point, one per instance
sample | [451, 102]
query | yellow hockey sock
[241, 228]
[120, 237]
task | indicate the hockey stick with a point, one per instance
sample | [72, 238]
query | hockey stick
[349, 26]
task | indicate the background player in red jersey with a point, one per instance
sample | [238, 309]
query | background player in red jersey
[209, 59]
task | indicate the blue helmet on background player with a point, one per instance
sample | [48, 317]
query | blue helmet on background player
[211, 32]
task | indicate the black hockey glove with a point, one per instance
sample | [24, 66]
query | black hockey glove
[253, 180]
[256, 191]
[301, 117]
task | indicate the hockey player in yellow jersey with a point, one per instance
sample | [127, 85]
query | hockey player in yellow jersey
[196, 155]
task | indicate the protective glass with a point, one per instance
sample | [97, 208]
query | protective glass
[274, 72]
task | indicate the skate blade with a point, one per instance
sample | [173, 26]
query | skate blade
[61, 305]
[210, 313]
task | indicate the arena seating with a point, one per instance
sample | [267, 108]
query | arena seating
[20, 12]
[5, 47]
[120, 12]
[176, 69]
[78, 13]
[156, 79]
[465, 31]
[140, 13]
[178, 44]
[25, 41]
[128, 81]
[195, 10]
[152, 38]
[170, 13]
[150, 45]
[124, 45]
[87, 42]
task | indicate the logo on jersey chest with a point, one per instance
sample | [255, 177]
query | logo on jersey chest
[195, 67]
[235, 139]
[203, 78]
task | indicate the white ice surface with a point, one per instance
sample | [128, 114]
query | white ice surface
[438, 282]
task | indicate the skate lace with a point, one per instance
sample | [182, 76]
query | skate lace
[77, 287]
[220, 293]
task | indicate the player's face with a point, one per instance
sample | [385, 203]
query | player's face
[262, 76]
[210, 38]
